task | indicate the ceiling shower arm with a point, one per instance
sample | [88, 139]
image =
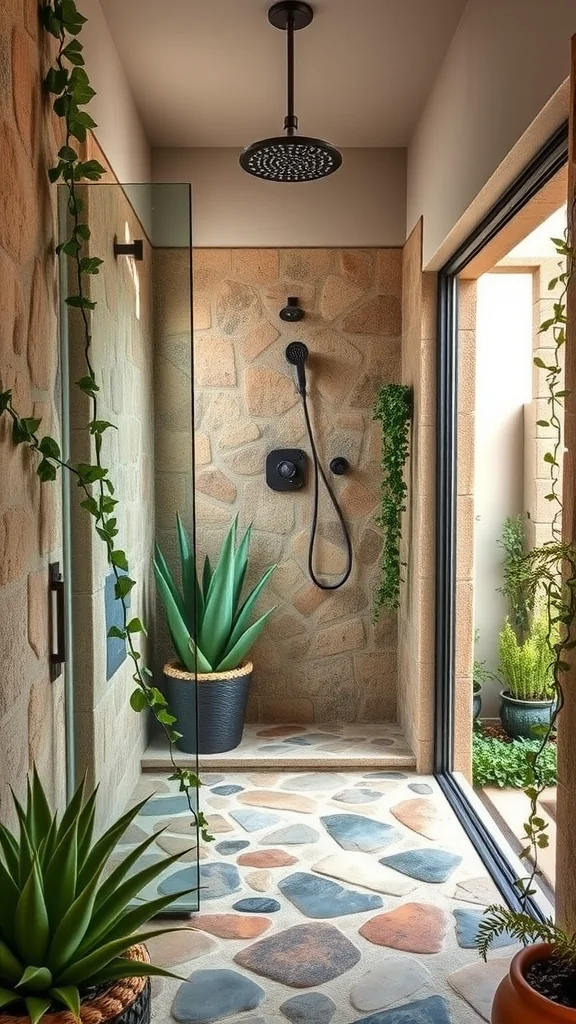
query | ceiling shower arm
[290, 121]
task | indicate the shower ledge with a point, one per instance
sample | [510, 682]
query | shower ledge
[380, 746]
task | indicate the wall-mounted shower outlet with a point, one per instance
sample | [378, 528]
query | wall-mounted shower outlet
[286, 469]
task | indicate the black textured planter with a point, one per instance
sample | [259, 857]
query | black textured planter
[222, 699]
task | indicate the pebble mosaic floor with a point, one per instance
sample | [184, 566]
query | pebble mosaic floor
[328, 896]
[262, 746]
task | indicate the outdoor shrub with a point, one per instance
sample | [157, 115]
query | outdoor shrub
[497, 763]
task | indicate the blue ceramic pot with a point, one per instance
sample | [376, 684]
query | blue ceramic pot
[476, 705]
[519, 717]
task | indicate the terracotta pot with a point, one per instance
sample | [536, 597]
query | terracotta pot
[516, 1003]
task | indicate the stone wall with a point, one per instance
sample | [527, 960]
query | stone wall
[416, 614]
[31, 707]
[109, 735]
[320, 659]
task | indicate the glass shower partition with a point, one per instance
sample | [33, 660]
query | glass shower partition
[139, 351]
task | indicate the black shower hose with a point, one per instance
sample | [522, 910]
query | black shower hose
[319, 472]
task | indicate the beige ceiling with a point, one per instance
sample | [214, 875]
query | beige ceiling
[212, 72]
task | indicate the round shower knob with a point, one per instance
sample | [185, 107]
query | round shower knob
[287, 470]
[339, 465]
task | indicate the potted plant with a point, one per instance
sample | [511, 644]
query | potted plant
[70, 941]
[212, 632]
[527, 671]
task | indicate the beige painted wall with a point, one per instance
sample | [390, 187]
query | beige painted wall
[119, 132]
[320, 658]
[31, 708]
[109, 735]
[362, 204]
[503, 386]
[506, 62]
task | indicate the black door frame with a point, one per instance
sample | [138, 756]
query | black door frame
[551, 158]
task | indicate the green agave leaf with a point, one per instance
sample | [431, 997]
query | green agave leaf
[124, 968]
[201, 664]
[69, 996]
[241, 566]
[31, 926]
[243, 620]
[206, 577]
[7, 997]
[71, 930]
[73, 809]
[41, 813]
[35, 979]
[48, 846]
[61, 876]
[11, 969]
[130, 921]
[218, 611]
[10, 894]
[78, 972]
[36, 1007]
[101, 851]
[243, 645]
[9, 850]
[193, 597]
[163, 568]
[176, 621]
[86, 828]
[107, 914]
[113, 881]
[26, 849]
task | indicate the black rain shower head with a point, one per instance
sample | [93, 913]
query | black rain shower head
[292, 313]
[297, 354]
[292, 157]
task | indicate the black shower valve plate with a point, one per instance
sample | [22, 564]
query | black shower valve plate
[286, 469]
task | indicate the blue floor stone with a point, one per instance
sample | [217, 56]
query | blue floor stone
[229, 846]
[433, 1010]
[298, 741]
[211, 995]
[321, 898]
[216, 879]
[162, 805]
[422, 788]
[467, 924]
[355, 832]
[227, 790]
[427, 865]
[309, 1008]
[253, 821]
[357, 796]
[385, 775]
[292, 835]
[257, 905]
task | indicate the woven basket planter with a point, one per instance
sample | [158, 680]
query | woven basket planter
[221, 699]
[123, 1002]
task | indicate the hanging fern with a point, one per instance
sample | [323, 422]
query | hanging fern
[393, 407]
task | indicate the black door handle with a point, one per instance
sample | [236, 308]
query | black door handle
[57, 623]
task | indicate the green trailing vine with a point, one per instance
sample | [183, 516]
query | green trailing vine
[68, 82]
[393, 407]
[548, 571]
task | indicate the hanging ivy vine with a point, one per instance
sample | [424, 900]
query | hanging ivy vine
[549, 570]
[68, 82]
[393, 407]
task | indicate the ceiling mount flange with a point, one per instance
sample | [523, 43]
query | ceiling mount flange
[301, 12]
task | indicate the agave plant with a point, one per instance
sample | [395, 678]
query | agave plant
[63, 927]
[210, 626]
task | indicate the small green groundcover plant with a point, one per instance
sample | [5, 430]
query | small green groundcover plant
[496, 762]
[64, 927]
[209, 624]
[527, 668]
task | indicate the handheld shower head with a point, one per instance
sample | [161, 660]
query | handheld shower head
[297, 353]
